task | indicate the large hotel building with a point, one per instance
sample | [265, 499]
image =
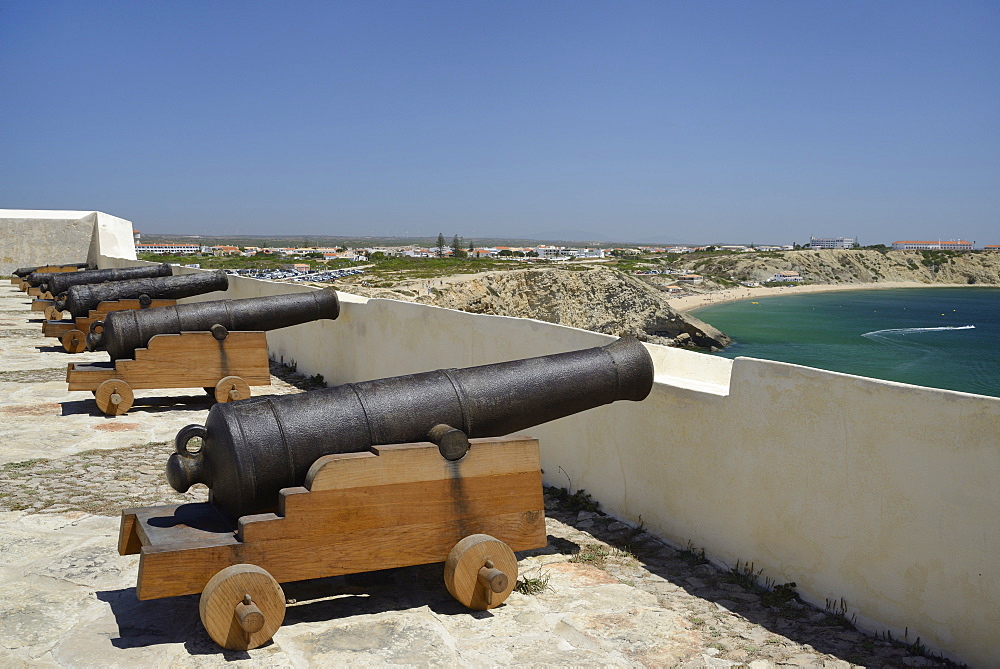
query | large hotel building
[953, 245]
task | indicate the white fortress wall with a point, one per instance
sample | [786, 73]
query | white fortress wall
[38, 237]
[880, 493]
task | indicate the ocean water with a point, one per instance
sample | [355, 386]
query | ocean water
[937, 337]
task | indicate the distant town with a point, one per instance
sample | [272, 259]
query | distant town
[458, 247]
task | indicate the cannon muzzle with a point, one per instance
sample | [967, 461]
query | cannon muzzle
[59, 282]
[253, 448]
[80, 299]
[121, 332]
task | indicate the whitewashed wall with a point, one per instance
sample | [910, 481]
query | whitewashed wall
[880, 493]
[30, 237]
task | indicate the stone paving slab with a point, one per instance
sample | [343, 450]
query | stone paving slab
[607, 594]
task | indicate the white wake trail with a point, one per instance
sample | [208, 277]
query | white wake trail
[876, 334]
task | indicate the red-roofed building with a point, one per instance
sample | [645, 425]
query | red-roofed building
[175, 249]
[952, 245]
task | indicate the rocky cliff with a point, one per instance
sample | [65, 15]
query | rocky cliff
[601, 299]
[858, 266]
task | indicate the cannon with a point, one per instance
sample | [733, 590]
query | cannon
[220, 346]
[253, 449]
[325, 483]
[69, 267]
[80, 299]
[72, 333]
[59, 282]
[92, 302]
[19, 277]
[125, 331]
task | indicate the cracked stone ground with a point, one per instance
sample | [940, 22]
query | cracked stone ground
[602, 593]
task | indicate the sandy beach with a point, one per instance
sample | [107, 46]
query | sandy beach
[691, 302]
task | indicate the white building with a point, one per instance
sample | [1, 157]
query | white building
[787, 275]
[952, 245]
[176, 249]
[831, 242]
[692, 279]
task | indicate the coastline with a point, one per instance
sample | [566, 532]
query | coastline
[690, 303]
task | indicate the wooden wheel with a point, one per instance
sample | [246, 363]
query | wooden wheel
[231, 388]
[74, 341]
[480, 571]
[242, 607]
[52, 314]
[114, 397]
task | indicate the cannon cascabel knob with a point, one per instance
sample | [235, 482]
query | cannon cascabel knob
[186, 467]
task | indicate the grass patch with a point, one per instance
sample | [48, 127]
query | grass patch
[533, 585]
[692, 555]
[598, 555]
[778, 595]
[594, 554]
[577, 501]
[23, 464]
[771, 593]
[743, 574]
[16, 470]
[837, 614]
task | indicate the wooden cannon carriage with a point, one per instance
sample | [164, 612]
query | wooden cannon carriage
[73, 332]
[224, 363]
[391, 506]
[220, 346]
[340, 480]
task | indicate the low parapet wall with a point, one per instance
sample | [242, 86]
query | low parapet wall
[880, 493]
[30, 237]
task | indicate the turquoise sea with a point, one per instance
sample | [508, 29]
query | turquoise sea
[938, 337]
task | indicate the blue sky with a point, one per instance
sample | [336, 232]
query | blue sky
[633, 121]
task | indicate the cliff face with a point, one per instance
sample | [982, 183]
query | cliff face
[601, 300]
[861, 266]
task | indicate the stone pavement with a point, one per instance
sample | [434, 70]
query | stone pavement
[601, 593]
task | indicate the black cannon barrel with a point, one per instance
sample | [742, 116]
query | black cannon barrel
[36, 278]
[79, 300]
[125, 331]
[25, 271]
[253, 448]
[58, 283]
